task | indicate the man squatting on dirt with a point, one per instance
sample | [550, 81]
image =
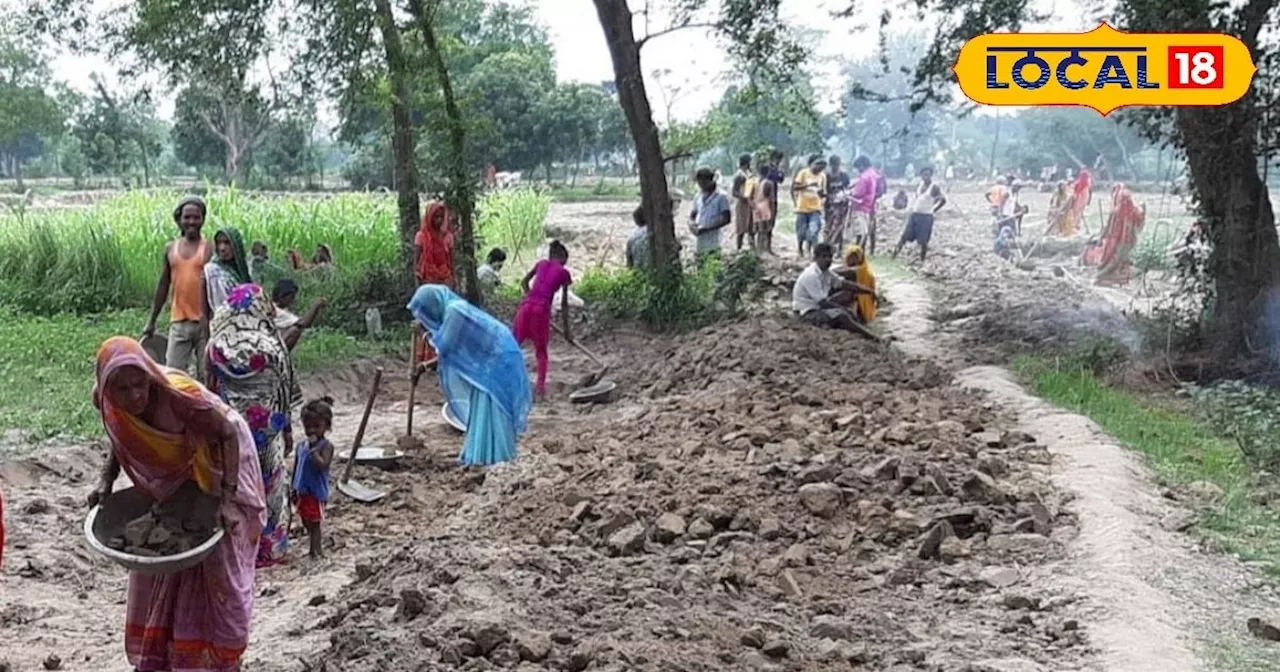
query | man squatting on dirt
[822, 298]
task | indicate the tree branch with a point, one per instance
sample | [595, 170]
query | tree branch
[675, 29]
[1254, 17]
[213, 128]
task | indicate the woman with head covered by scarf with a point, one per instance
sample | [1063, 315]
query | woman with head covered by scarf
[434, 265]
[251, 370]
[229, 268]
[481, 371]
[166, 429]
[1111, 254]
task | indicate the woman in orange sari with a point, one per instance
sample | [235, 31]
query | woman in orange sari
[166, 429]
[857, 269]
[1111, 255]
[1073, 213]
[434, 245]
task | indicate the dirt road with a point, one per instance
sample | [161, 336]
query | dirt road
[761, 496]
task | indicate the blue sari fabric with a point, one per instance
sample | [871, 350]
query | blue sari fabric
[482, 373]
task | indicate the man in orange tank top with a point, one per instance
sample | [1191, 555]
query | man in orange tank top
[182, 270]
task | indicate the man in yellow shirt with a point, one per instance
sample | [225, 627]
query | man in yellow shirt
[808, 194]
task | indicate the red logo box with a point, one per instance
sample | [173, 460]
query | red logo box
[1195, 67]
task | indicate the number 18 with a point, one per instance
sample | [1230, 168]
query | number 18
[1197, 67]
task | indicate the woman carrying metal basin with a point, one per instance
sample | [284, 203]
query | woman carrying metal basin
[165, 430]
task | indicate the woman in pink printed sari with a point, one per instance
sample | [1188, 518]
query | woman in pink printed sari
[166, 429]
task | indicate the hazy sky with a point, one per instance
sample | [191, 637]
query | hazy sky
[697, 63]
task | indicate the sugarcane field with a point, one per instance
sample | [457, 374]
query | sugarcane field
[620, 335]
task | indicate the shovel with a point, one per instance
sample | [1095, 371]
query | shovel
[591, 378]
[407, 442]
[346, 486]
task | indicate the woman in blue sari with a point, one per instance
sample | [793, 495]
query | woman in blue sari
[482, 373]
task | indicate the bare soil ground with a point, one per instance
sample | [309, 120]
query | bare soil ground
[761, 496]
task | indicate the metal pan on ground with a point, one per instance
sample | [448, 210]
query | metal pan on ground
[447, 413]
[602, 392]
[374, 456]
[156, 346]
[107, 520]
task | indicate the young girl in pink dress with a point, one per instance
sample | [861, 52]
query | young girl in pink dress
[533, 319]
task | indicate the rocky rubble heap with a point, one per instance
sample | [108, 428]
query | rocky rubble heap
[767, 496]
[184, 522]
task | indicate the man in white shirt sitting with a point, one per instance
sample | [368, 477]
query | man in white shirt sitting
[820, 296]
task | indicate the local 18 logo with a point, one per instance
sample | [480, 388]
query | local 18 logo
[1104, 69]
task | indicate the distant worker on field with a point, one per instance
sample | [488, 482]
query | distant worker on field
[1111, 254]
[434, 266]
[837, 213]
[928, 201]
[863, 201]
[741, 202]
[775, 175]
[808, 193]
[182, 270]
[639, 255]
[488, 275]
[264, 272]
[710, 214]
[763, 193]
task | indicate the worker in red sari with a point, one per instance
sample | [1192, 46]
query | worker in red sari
[434, 246]
[1111, 253]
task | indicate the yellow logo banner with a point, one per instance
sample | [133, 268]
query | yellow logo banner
[1104, 69]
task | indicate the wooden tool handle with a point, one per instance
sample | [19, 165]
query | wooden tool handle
[364, 422]
[581, 348]
[413, 388]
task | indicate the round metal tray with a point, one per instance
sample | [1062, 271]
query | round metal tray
[105, 520]
[374, 456]
[451, 419]
[599, 393]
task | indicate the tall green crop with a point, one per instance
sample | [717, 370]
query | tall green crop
[108, 256]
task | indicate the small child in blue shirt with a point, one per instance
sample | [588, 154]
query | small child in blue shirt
[311, 471]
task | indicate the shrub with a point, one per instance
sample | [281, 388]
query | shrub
[512, 219]
[696, 297]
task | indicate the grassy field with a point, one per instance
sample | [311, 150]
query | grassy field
[46, 373]
[108, 256]
[70, 278]
[1180, 449]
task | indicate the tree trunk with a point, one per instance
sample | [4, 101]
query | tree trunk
[146, 164]
[1221, 148]
[615, 19]
[1124, 153]
[404, 169]
[577, 161]
[460, 194]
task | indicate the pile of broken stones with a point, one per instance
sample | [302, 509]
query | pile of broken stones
[771, 497]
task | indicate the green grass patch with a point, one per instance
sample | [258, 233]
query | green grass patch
[603, 190]
[47, 369]
[1180, 448]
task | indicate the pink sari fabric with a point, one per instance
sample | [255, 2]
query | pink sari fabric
[196, 620]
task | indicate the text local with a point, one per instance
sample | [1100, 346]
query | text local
[1112, 71]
